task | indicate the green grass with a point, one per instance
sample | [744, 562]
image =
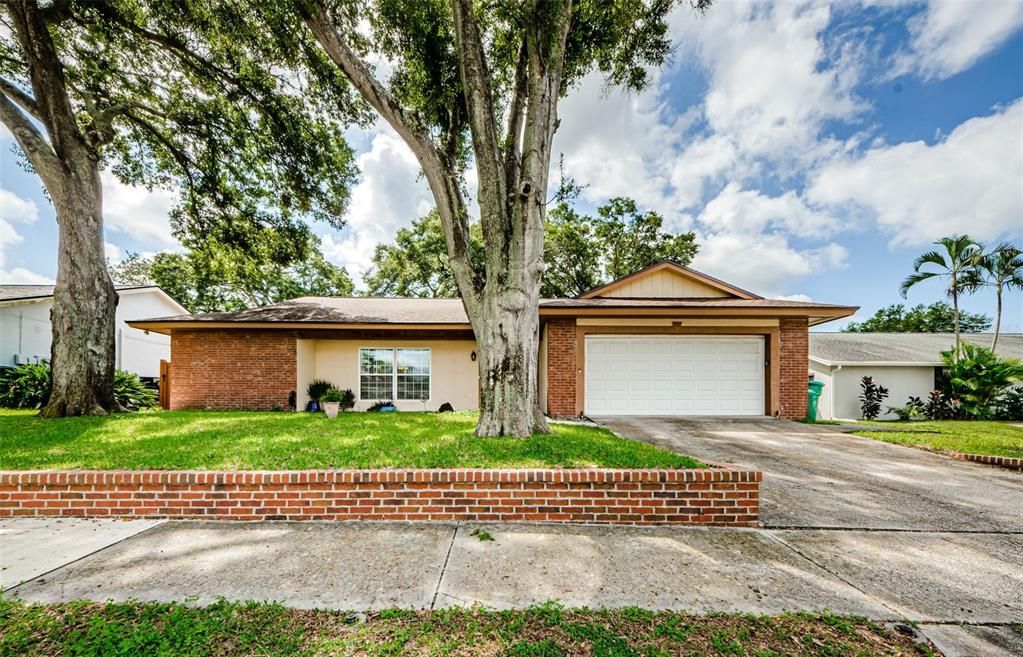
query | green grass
[226, 629]
[971, 437]
[222, 440]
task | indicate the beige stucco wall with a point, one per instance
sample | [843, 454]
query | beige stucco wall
[842, 388]
[454, 375]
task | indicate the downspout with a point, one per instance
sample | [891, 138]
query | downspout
[834, 380]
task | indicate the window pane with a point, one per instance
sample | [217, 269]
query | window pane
[376, 386]
[413, 361]
[376, 361]
[413, 386]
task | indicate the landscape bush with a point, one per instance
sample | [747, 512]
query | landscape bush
[28, 386]
[871, 396]
[976, 379]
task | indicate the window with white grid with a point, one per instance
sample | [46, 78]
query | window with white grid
[394, 374]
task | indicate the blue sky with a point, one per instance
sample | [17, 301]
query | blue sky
[815, 148]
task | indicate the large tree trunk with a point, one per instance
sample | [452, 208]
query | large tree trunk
[507, 332]
[84, 302]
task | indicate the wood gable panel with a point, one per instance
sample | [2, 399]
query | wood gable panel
[666, 284]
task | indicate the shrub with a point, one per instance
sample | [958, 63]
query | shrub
[939, 407]
[871, 396]
[131, 392]
[913, 410]
[317, 388]
[25, 386]
[28, 386]
[1010, 406]
[347, 399]
[977, 378]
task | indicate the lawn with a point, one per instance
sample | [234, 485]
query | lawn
[971, 437]
[224, 440]
[226, 629]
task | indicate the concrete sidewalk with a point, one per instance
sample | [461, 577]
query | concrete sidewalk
[936, 578]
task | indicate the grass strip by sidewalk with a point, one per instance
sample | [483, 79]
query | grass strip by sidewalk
[234, 629]
[246, 440]
[968, 437]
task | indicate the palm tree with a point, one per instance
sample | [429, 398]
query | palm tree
[1003, 269]
[958, 265]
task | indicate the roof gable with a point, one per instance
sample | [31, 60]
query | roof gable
[668, 280]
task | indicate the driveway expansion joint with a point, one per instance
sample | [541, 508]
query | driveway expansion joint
[444, 566]
[771, 536]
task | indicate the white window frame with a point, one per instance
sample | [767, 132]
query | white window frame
[394, 372]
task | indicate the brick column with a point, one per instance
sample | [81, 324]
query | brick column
[561, 368]
[228, 369]
[794, 346]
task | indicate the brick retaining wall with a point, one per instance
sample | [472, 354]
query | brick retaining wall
[713, 496]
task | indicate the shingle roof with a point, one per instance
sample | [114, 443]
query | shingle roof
[892, 348]
[18, 292]
[342, 310]
[385, 310]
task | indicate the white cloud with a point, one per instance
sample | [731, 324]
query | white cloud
[22, 276]
[763, 263]
[971, 181]
[949, 36]
[771, 85]
[112, 252]
[795, 297]
[745, 211]
[390, 195]
[15, 209]
[139, 213]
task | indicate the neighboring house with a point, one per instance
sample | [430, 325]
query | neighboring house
[25, 333]
[666, 340]
[908, 364]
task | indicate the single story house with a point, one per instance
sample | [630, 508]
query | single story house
[667, 340]
[908, 364]
[26, 334]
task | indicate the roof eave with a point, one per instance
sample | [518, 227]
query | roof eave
[166, 327]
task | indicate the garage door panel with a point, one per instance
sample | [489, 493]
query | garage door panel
[674, 375]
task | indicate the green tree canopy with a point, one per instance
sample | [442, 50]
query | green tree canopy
[231, 103]
[583, 251]
[938, 317]
[219, 277]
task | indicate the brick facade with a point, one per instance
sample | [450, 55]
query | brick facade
[561, 368]
[794, 354]
[229, 368]
[719, 497]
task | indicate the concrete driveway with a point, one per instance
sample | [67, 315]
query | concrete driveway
[816, 477]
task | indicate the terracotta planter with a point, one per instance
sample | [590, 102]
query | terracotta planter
[331, 408]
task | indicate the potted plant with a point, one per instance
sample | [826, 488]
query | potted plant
[331, 401]
[315, 391]
[347, 399]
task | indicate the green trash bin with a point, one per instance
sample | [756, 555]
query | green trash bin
[814, 393]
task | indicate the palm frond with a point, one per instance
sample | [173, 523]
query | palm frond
[931, 257]
[913, 279]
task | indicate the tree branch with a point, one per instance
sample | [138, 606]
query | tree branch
[38, 151]
[47, 77]
[480, 104]
[440, 175]
[25, 100]
[513, 137]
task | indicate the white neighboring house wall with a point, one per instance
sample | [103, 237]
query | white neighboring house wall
[840, 398]
[25, 333]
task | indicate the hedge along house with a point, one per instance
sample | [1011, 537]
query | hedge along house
[667, 340]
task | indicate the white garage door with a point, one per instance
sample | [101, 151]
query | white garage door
[674, 375]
